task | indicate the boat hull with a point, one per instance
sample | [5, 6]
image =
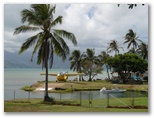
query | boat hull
[113, 91]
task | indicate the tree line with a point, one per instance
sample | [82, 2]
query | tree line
[135, 60]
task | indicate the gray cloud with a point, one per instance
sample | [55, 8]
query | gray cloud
[94, 25]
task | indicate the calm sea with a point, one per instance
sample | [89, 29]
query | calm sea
[16, 78]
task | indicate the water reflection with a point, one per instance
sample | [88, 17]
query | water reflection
[9, 94]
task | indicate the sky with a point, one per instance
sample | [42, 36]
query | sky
[94, 25]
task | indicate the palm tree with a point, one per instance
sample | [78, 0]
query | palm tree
[132, 51]
[103, 60]
[114, 46]
[76, 61]
[47, 41]
[143, 50]
[131, 39]
[90, 64]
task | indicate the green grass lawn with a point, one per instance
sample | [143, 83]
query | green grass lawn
[36, 105]
[99, 105]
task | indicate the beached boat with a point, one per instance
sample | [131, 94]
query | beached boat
[115, 90]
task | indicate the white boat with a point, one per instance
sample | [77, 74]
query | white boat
[115, 90]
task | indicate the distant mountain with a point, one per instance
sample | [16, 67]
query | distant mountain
[13, 60]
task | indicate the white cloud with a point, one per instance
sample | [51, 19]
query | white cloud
[94, 25]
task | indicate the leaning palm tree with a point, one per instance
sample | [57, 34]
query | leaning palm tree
[114, 46]
[76, 61]
[47, 41]
[131, 39]
[143, 50]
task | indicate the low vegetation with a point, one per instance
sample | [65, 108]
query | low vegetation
[37, 105]
[28, 88]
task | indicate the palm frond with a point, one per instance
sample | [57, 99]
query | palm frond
[38, 44]
[126, 41]
[28, 43]
[73, 65]
[24, 28]
[52, 10]
[68, 35]
[58, 49]
[129, 45]
[62, 43]
[41, 11]
[122, 48]
[41, 55]
[31, 17]
[56, 21]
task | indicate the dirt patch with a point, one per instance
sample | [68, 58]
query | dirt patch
[55, 85]
[67, 104]
[52, 86]
[128, 107]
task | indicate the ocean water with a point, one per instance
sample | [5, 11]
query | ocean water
[16, 78]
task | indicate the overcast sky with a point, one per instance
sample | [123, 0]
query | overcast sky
[94, 25]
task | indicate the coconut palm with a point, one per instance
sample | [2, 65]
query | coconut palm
[114, 46]
[131, 39]
[76, 61]
[143, 50]
[47, 41]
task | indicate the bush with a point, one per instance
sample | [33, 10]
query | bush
[27, 88]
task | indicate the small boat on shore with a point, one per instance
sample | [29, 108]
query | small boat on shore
[115, 90]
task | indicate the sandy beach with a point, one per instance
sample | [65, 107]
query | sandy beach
[40, 86]
[51, 86]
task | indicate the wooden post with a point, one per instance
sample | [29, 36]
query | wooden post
[14, 95]
[107, 99]
[60, 95]
[28, 95]
[80, 98]
[90, 99]
[133, 99]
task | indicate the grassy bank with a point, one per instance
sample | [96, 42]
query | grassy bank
[95, 85]
[36, 105]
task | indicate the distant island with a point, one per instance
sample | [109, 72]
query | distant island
[13, 60]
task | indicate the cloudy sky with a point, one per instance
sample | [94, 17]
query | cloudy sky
[94, 25]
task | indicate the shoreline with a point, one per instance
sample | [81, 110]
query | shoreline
[85, 86]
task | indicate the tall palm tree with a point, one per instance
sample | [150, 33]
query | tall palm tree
[114, 46]
[76, 61]
[47, 41]
[103, 60]
[131, 39]
[143, 50]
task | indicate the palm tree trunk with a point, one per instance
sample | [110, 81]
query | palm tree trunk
[107, 69]
[90, 72]
[80, 76]
[46, 96]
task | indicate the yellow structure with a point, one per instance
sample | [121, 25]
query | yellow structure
[63, 76]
